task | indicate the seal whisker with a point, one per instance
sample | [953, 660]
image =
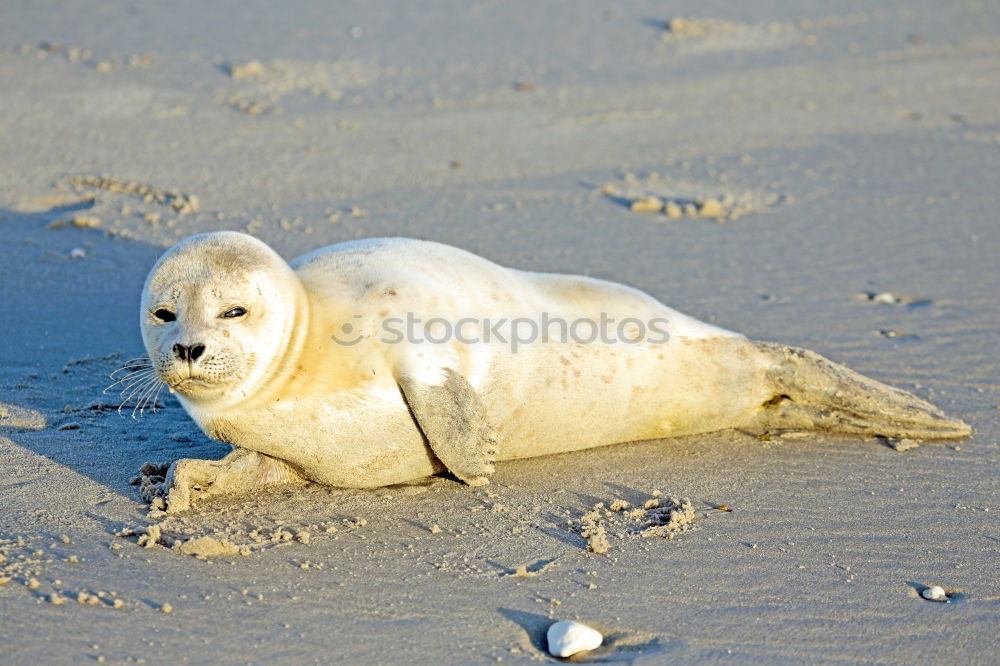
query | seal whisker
[130, 379]
[138, 360]
[133, 364]
[137, 389]
[139, 401]
[118, 377]
[135, 369]
[135, 386]
[152, 391]
[156, 395]
[135, 383]
[118, 374]
[150, 395]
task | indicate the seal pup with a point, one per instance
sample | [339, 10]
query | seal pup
[295, 366]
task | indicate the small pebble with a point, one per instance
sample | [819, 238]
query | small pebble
[902, 444]
[568, 638]
[934, 593]
[86, 222]
[710, 208]
[646, 205]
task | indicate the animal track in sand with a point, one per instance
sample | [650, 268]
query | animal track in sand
[673, 199]
[707, 34]
[260, 86]
[101, 64]
[181, 203]
[657, 517]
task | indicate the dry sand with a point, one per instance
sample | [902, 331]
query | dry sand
[856, 153]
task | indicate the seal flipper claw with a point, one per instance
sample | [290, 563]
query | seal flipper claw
[453, 419]
[239, 471]
[812, 392]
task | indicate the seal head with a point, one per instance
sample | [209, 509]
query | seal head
[220, 318]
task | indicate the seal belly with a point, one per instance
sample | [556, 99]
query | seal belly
[580, 396]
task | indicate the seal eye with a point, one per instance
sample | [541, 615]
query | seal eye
[164, 315]
[234, 313]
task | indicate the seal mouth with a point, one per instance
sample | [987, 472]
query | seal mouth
[190, 385]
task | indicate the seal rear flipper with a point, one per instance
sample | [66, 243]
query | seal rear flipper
[454, 422]
[812, 392]
[239, 471]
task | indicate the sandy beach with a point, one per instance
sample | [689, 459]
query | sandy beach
[847, 154]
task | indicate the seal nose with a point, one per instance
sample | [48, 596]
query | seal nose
[189, 352]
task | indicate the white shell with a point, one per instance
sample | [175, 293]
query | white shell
[934, 593]
[568, 638]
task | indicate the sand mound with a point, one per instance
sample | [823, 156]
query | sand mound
[657, 517]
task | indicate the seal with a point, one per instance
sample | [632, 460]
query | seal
[380, 361]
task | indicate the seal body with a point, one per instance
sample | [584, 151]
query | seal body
[380, 361]
[342, 418]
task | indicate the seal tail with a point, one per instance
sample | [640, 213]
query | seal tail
[810, 392]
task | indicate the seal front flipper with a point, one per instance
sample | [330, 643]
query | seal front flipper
[239, 471]
[454, 422]
[807, 391]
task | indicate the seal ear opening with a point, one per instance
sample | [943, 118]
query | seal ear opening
[812, 392]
